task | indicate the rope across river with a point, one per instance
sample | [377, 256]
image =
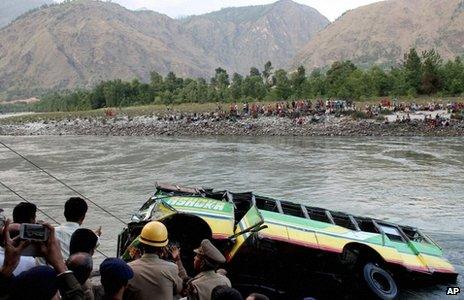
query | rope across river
[63, 183]
[40, 210]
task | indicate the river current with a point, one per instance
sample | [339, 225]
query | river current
[411, 181]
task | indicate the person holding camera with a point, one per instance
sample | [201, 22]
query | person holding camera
[25, 262]
[18, 287]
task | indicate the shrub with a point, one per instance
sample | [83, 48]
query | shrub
[357, 115]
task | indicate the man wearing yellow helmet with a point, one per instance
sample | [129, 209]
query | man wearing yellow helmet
[154, 278]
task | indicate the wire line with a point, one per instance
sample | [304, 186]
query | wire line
[63, 183]
[43, 212]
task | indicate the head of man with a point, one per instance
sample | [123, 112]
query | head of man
[81, 264]
[207, 257]
[223, 292]
[83, 240]
[115, 274]
[24, 212]
[154, 237]
[257, 296]
[36, 283]
[75, 209]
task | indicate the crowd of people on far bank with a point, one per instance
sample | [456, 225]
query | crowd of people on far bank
[60, 266]
[297, 110]
[304, 111]
[434, 114]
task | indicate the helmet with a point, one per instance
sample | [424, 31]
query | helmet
[154, 234]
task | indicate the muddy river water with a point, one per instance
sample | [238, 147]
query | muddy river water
[411, 181]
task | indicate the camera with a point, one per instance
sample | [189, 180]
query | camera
[34, 232]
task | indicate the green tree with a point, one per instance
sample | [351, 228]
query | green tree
[254, 71]
[97, 97]
[337, 76]
[253, 87]
[267, 72]
[431, 81]
[156, 81]
[398, 80]
[315, 85]
[413, 70]
[283, 88]
[236, 86]
[356, 86]
[379, 81]
[297, 80]
[172, 82]
[202, 90]
[453, 77]
[220, 79]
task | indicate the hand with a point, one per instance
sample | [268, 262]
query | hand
[98, 231]
[51, 250]
[175, 252]
[12, 251]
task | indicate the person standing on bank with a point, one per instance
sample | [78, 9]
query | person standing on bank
[206, 262]
[154, 278]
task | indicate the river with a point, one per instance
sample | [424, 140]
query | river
[411, 181]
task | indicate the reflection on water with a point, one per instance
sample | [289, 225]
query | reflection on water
[414, 181]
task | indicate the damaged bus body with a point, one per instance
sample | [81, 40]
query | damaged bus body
[289, 250]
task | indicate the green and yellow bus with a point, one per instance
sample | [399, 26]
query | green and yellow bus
[290, 250]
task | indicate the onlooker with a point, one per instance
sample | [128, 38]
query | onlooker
[25, 262]
[206, 262]
[37, 283]
[82, 265]
[115, 274]
[83, 240]
[223, 292]
[257, 296]
[24, 212]
[67, 284]
[74, 212]
[153, 275]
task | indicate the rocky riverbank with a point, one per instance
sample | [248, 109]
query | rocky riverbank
[262, 126]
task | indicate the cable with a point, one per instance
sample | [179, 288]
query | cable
[47, 215]
[14, 192]
[63, 183]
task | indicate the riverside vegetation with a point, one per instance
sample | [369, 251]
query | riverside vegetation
[424, 74]
[173, 105]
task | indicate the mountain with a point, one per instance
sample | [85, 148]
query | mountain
[11, 9]
[81, 42]
[382, 32]
[242, 37]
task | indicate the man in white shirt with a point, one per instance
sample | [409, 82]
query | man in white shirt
[74, 212]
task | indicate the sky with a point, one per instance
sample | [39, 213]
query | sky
[332, 9]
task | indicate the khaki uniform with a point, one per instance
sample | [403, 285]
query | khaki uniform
[154, 278]
[201, 286]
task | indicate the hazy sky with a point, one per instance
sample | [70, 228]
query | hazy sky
[175, 8]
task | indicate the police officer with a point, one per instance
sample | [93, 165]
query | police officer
[154, 278]
[206, 261]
